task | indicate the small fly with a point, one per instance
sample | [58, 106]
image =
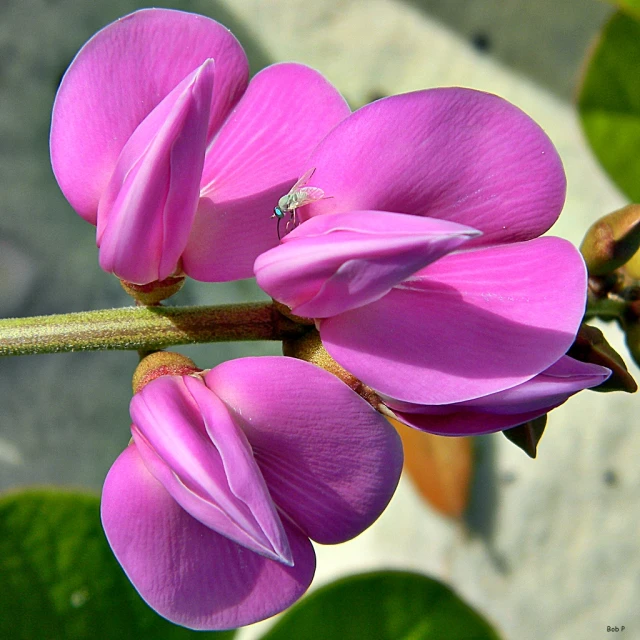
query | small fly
[298, 196]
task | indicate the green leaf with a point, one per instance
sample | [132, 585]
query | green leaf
[60, 579]
[630, 6]
[385, 605]
[609, 102]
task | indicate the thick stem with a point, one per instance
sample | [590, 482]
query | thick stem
[144, 328]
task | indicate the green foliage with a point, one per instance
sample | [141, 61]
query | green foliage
[630, 6]
[609, 102]
[60, 580]
[385, 605]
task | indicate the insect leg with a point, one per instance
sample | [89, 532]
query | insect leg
[292, 223]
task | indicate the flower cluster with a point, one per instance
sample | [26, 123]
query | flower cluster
[411, 243]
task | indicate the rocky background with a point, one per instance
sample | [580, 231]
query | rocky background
[549, 548]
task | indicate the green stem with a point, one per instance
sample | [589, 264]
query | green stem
[143, 328]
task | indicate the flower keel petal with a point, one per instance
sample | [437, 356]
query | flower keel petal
[188, 573]
[118, 78]
[189, 442]
[334, 263]
[330, 460]
[145, 215]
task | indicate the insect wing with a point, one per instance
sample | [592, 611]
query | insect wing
[307, 195]
[302, 181]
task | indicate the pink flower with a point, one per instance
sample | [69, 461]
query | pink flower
[459, 307]
[211, 507]
[158, 141]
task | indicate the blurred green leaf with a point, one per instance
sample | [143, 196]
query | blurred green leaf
[609, 102]
[630, 6]
[60, 580]
[386, 605]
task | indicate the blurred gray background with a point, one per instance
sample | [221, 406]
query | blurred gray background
[549, 548]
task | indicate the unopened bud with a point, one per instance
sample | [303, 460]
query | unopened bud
[632, 267]
[286, 312]
[309, 347]
[162, 363]
[591, 346]
[612, 241]
[154, 292]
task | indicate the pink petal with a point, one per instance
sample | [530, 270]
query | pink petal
[259, 154]
[330, 460]
[118, 78]
[470, 324]
[185, 571]
[145, 215]
[455, 154]
[549, 388]
[504, 409]
[334, 263]
[192, 446]
[467, 422]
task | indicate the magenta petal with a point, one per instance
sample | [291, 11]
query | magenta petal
[259, 154]
[456, 154]
[118, 78]
[466, 422]
[192, 446]
[334, 263]
[470, 324]
[549, 388]
[330, 460]
[145, 215]
[185, 571]
[505, 409]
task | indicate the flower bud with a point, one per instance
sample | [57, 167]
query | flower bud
[612, 241]
[309, 347]
[287, 313]
[632, 267]
[161, 363]
[154, 292]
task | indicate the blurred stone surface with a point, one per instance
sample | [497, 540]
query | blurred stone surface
[549, 548]
[544, 40]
